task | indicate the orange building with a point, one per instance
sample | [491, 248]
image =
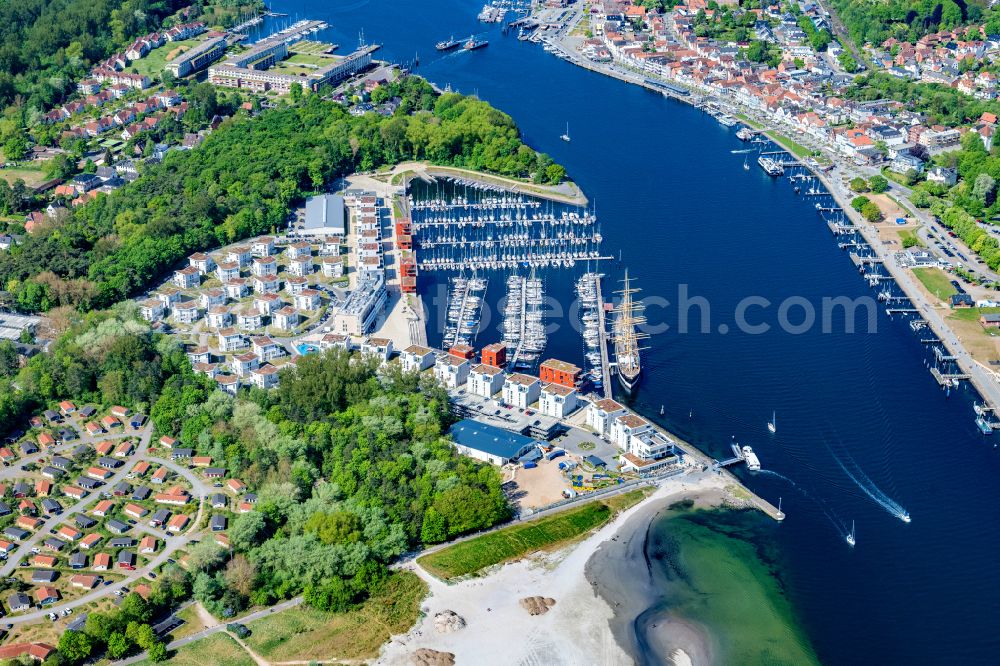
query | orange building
[495, 355]
[463, 351]
[559, 372]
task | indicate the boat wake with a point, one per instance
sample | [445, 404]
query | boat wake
[869, 488]
[839, 525]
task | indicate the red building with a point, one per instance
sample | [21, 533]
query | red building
[559, 372]
[404, 235]
[463, 351]
[408, 274]
[495, 355]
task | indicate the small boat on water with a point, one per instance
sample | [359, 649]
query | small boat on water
[905, 516]
[565, 137]
[771, 167]
[851, 541]
[744, 134]
[447, 44]
[772, 424]
[753, 462]
[472, 43]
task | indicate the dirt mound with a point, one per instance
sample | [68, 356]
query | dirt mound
[428, 657]
[537, 605]
[447, 622]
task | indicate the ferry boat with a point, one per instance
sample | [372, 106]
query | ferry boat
[753, 462]
[744, 134]
[628, 363]
[726, 120]
[447, 44]
[771, 167]
[474, 43]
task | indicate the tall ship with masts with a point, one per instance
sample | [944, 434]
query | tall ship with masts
[628, 316]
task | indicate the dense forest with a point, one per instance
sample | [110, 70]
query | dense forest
[943, 105]
[352, 469]
[242, 182]
[909, 20]
[104, 357]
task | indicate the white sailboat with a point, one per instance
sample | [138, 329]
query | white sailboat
[850, 537]
[565, 137]
[746, 164]
[772, 424]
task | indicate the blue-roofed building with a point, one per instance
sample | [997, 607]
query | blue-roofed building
[489, 443]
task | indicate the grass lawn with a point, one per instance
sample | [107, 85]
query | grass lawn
[309, 59]
[905, 234]
[303, 633]
[31, 177]
[192, 624]
[152, 64]
[972, 314]
[936, 281]
[517, 541]
[797, 148]
[218, 649]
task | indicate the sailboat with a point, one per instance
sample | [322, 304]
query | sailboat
[565, 137]
[772, 424]
[746, 164]
[850, 537]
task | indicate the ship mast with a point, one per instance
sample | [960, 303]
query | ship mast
[626, 338]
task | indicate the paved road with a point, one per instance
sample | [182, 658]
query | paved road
[172, 543]
[45, 530]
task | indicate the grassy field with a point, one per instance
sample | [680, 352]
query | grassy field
[31, 177]
[192, 624]
[309, 46]
[306, 634]
[936, 281]
[511, 543]
[218, 649]
[152, 64]
[905, 234]
[797, 148]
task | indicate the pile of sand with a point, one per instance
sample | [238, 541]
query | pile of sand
[537, 605]
[428, 657]
[448, 621]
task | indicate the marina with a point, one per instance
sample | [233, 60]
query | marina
[465, 304]
[524, 323]
[588, 291]
[463, 225]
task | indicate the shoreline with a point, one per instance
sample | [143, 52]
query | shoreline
[622, 575]
[581, 626]
[981, 379]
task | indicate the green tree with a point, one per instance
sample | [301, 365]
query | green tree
[15, 148]
[9, 363]
[859, 184]
[985, 188]
[871, 212]
[157, 652]
[118, 645]
[878, 184]
[295, 92]
[74, 647]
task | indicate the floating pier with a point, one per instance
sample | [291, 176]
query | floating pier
[487, 229]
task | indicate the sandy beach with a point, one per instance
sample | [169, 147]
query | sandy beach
[599, 588]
